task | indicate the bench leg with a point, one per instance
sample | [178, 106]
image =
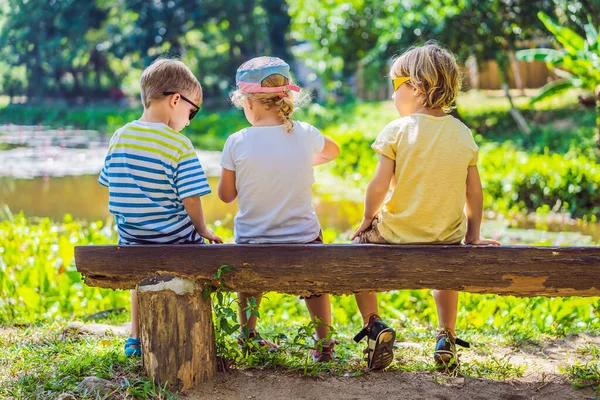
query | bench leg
[176, 329]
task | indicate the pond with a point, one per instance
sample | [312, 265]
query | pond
[83, 198]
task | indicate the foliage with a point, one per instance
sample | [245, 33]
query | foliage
[38, 279]
[345, 37]
[52, 42]
[72, 49]
[577, 63]
[111, 41]
[586, 374]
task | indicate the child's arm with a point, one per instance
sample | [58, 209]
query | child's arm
[227, 190]
[474, 209]
[193, 207]
[330, 151]
[376, 191]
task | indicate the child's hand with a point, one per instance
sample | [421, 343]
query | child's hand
[364, 225]
[210, 236]
[483, 241]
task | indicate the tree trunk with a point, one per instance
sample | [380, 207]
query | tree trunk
[178, 341]
[514, 64]
[503, 60]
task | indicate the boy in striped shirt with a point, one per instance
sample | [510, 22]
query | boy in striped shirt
[153, 174]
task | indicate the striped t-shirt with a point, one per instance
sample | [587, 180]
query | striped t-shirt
[149, 169]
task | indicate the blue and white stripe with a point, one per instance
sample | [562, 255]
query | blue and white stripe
[149, 170]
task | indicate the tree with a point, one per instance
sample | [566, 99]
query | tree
[370, 32]
[49, 39]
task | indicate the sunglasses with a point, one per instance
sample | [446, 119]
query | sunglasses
[399, 81]
[193, 112]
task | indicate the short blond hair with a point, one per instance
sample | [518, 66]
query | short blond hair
[168, 75]
[285, 104]
[433, 71]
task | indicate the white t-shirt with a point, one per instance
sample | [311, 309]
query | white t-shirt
[274, 177]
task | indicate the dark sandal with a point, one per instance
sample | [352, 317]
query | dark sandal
[446, 354]
[380, 343]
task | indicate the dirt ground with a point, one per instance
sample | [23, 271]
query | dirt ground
[541, 379]
[264, 384]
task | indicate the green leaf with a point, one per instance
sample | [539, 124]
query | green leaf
[226, 268]
[561, 73]
[571, 41]
[546, 55]
[224, 324]
[233, 329]
[552, 89]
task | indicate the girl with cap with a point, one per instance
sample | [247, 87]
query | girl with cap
[269, 168]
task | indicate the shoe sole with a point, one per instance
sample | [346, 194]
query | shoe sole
[383, 354]
[446, 361]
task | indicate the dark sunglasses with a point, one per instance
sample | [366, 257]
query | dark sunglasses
[193, 112]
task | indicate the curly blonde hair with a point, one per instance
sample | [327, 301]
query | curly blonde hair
[433, 71]
[285, 104]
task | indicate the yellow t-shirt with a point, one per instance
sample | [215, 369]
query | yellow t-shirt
[432, 155]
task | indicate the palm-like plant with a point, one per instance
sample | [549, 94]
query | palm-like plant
[577, 64]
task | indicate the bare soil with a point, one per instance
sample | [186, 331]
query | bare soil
[270, 384]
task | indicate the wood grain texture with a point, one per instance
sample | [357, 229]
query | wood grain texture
[344, 269]
[178, 342]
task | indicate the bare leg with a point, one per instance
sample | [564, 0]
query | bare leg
[367, 304]
[320, 307]
[243, 303]
[135, 316]
[447, 305]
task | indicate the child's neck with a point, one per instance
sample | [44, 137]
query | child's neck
[266, 117]
[155, 115]
[270, 120]
[434, 112]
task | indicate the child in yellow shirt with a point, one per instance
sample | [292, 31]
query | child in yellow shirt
[428, 159]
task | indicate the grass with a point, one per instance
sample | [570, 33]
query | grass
[41, 362]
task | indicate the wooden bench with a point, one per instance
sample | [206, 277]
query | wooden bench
[176, 320]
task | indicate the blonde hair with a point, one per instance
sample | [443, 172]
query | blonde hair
[433, 71]
[285, 105]
[167, 75]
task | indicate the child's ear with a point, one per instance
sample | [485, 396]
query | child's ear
[174, 99]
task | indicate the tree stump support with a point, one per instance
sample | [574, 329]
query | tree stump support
[177, 333]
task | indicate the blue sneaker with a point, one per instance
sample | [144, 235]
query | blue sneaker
[133, 347]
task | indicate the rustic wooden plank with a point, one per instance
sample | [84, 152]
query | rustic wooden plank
[178, 341]
[344, 269]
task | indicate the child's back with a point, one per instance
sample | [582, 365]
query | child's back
[153, 174]
[269, 166]
[274, 178]
[432, 155]
[150, 168]
[429, 160]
